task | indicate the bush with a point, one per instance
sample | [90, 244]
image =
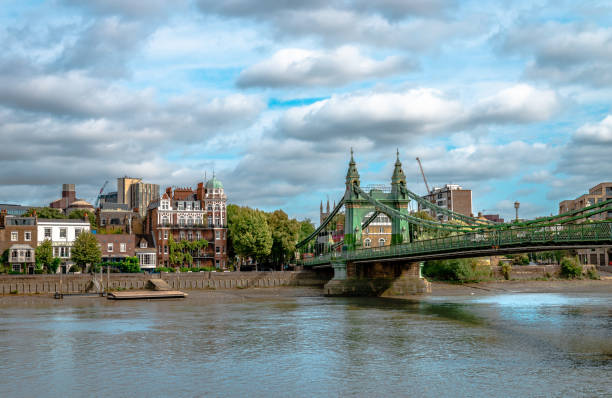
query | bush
[570, 267]
[164, 269]
[460, 270]
[520, 259]
[592, 273]
[505, 270]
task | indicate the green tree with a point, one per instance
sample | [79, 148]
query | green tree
[306, 228]
[249, 232]
[129, 265]
[44, 212]
[182, 252]
[285, 233]
[55, 263]
[44, 254]
[86, 250]
[79, 214]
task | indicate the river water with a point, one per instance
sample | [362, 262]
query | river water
[492, 345]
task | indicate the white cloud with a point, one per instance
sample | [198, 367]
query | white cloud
[387, 117]
[300, 67]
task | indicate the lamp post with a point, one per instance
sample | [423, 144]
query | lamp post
[516, 207]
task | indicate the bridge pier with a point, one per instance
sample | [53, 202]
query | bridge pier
[385, 279]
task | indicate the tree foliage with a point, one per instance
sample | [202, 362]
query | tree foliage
[80, 214]
[129, 265]
[249, 232]
[44, 212]
[44, 254]
[571, 267]
[86, 250]
[181, 253]
[285, 233]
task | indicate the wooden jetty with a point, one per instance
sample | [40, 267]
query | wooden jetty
[145, 295]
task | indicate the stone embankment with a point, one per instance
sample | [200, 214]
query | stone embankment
[82, 283]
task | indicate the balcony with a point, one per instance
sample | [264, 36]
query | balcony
[188, 226]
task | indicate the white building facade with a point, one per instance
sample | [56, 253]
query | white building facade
[62, 234]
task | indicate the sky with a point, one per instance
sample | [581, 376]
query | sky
[509, 99]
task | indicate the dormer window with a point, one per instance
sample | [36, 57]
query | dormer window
[143, 244]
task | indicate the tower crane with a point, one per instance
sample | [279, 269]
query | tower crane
[100, 194]
[423, 174]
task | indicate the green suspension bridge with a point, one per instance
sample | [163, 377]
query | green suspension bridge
[416, 239]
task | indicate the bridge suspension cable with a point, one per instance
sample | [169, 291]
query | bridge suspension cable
[327, 220]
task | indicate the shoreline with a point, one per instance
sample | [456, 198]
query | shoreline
[439, 289]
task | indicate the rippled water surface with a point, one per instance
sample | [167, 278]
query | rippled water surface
[498, 345]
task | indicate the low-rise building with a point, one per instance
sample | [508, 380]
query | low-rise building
[62, 234]
[116, 247]
[378, 232]
[146, 252]
[18, 235]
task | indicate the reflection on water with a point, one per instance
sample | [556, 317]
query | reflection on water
[502, 345]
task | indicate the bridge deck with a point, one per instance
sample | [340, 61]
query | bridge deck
[484, 243]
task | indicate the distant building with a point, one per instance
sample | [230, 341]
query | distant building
[18, 235]
[110, 197]
[116, 216]
[452, 197]
[491, 217]
[378, 232]
[599, 193]
[14, 210]
[136, 194]
[69, 202]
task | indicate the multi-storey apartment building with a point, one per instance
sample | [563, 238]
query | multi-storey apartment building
[452, 197]
[599, 193]
[187, 214]
[136, 194]
[62, 234]
[18, 235]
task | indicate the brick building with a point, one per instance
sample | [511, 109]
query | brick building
[378, 233]
[69, 201]
[187, 214]
[19, 236]
[116, 247]
[452, 197]
[597, 194]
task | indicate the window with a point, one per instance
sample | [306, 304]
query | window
[122, 247]
[196, 206]
[166, 235]
[47, 233]
[182, 235]
[190, 235]
[14, 254]
[62, 232]
[109, 247]
[166, 249]
[217, 234]
[367, 242]
[209, 207]
[217, 249]
[210, 220]
[64, 252]
[380, 230]
[180, 205]
[14, 236]
[160, 250]
[189, 221]
[182, 222]
[198, 235]
[165, 220]
[381, 242]
[217, 263]
[77, 232]
[28, 235]
[28, 254]
[56, 252]
[143, 244]
[159, 235]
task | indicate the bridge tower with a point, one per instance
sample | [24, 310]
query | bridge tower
[357, 207]
[400, 228]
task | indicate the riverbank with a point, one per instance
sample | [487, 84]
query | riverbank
[439, 289]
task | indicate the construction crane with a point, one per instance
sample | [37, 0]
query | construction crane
[100, 194]
[423, 174]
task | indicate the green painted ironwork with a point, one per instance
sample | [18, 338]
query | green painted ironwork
[560, 235]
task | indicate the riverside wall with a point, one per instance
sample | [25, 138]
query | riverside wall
[82, 283]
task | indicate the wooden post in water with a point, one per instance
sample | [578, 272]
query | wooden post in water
[107, 280]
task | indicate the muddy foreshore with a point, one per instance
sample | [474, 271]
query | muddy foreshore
[439, 289]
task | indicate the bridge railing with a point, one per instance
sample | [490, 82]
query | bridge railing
[568, 233]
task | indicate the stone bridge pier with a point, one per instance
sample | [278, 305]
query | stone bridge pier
[387, 279]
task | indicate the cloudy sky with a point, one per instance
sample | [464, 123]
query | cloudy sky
[510, 99]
